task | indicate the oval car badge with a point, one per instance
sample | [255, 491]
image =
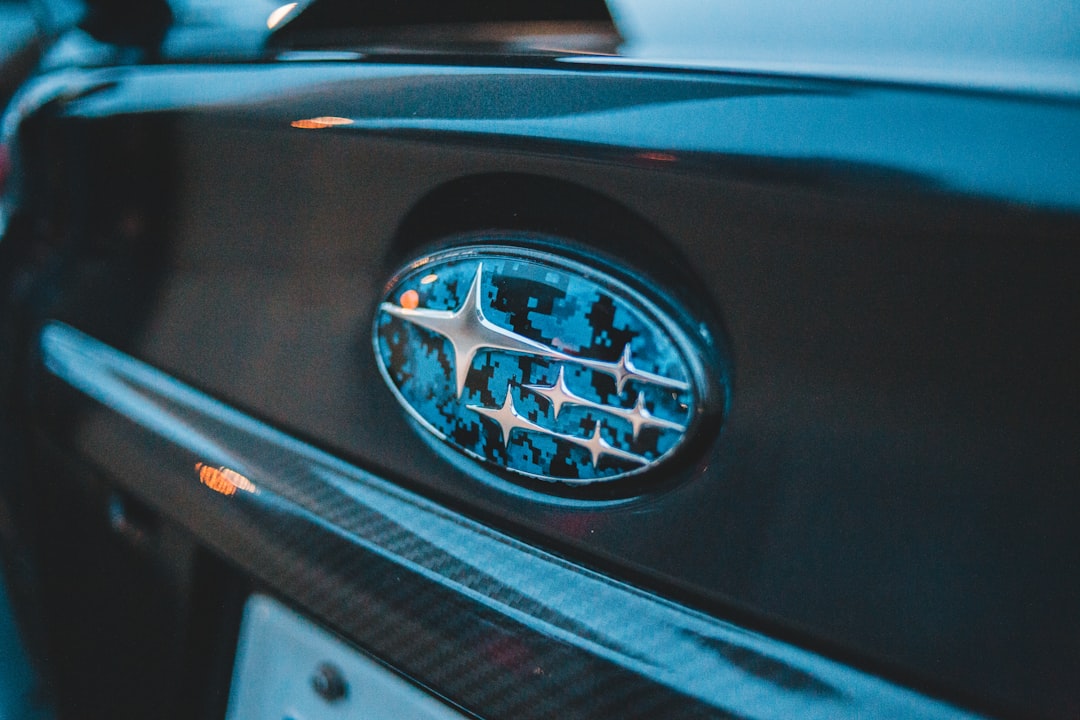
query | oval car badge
[539, 365]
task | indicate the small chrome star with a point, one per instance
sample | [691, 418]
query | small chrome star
[560, 394]
[509, 419]
[624, 370]
[597, 446]
[506, 416]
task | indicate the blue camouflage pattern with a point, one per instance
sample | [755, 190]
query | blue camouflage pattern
[586, 320]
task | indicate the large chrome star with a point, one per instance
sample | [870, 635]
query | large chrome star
[468, 331]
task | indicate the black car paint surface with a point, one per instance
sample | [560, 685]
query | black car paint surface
[892, 267]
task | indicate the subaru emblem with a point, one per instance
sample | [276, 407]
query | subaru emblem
[539, 365]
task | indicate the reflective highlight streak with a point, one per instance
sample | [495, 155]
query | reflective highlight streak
[223, 480]
[587, 621]
[278, 15]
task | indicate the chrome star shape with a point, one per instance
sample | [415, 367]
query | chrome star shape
[509, 419]
[470, 333]
[559, 394]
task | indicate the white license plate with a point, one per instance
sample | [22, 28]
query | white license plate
[287, 668]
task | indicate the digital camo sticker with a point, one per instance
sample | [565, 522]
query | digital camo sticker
[537, 365]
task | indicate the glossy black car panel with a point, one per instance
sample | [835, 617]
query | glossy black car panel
[891, 267]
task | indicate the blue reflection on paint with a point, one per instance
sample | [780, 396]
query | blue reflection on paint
[1004, 147]
[875, 129]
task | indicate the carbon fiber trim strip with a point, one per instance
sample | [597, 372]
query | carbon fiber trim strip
[497, 627]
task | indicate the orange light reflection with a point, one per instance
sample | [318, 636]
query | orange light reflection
[222, 480]
[657, 156]
[319, 123]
